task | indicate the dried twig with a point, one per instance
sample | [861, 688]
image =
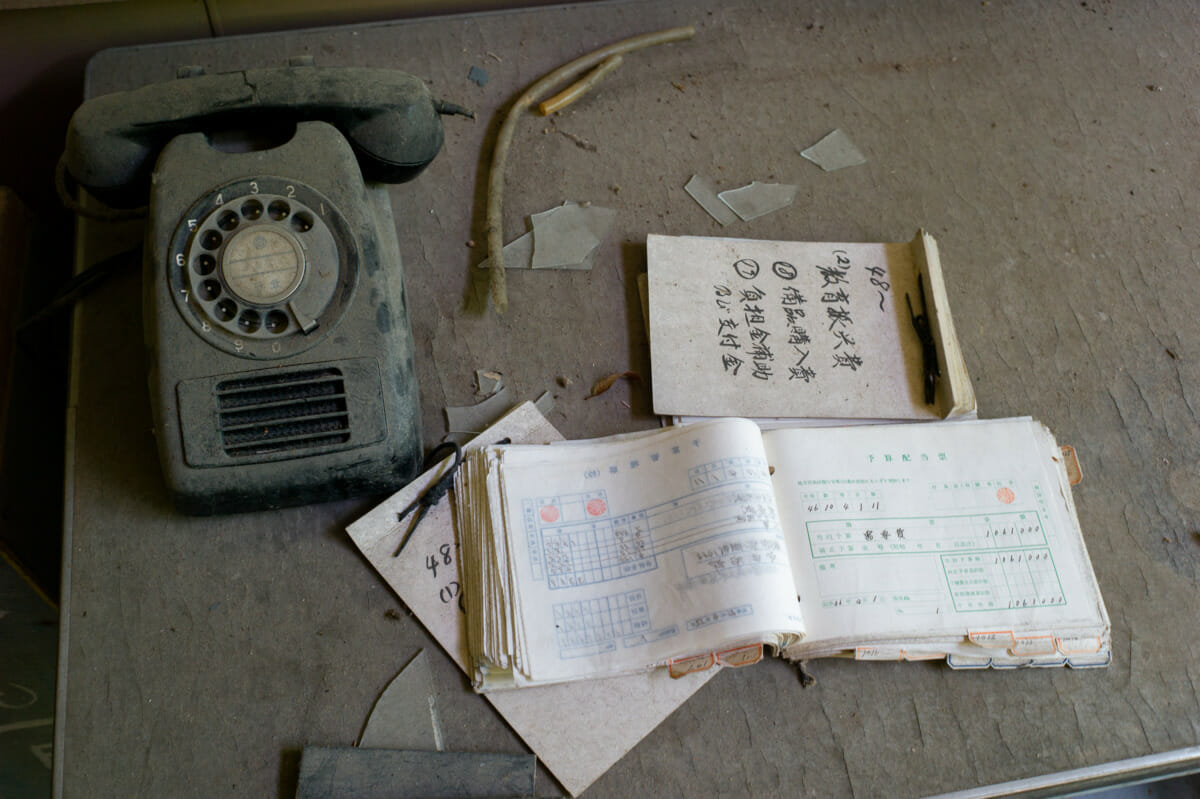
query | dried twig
[569, 71]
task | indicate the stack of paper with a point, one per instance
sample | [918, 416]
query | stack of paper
[575, 567]
[948, 540]
[951, 540]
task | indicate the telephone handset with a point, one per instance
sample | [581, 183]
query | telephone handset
[280, 352]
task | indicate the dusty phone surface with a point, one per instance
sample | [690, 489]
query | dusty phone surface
[275, 317]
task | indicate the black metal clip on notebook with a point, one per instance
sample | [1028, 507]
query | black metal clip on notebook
[920, 323]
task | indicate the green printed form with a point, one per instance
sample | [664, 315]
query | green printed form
[914, 533]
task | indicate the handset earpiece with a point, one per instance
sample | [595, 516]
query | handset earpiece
[389, 118]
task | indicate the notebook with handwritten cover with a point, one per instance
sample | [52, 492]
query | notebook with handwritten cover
[781, 331]
[704, 543]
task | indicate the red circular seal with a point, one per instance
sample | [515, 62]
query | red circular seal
[549, 513]
[1006, 495]
[596, 507]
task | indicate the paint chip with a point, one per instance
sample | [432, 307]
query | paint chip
[703, 193]
[478, 76]
[833, 152]
[758, 199]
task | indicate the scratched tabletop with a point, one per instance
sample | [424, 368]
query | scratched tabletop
[1052, 148]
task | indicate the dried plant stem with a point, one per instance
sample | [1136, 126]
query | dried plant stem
[579, 88]
[569, 71]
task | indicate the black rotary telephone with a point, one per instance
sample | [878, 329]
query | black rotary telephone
[276, 323]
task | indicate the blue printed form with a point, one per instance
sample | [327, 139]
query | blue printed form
[625, 553]
[956, 540]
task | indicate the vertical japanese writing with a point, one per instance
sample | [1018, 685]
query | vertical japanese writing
[835, 297]
[727, 329]
[791, 302]
[750, 299]
[775, 322]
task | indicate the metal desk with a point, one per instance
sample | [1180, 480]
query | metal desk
[1051, 148]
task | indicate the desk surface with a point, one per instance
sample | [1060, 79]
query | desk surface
[1051, 148]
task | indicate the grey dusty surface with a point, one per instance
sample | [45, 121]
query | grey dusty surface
[1052, 149]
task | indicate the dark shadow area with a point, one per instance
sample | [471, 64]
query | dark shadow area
[28, 643]
[43, 84]
[289, 772]
[633, 264]
[31, 469]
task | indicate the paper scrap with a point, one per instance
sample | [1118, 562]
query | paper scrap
[835, 151]
[577, 747]
[489, 382]
[544, 403]
[564, 237]
[758, 199]
[518, 254]
[404, 716]
[703, 193]
[568, 234]
[465, 421]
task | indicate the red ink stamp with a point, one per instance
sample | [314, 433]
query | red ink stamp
[596, 507]
[1006, 495]
[549, 514]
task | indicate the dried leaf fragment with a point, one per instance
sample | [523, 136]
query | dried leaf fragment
[605, 383]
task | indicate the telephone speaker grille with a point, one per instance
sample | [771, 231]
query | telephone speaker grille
[283, 412]
[279, 414]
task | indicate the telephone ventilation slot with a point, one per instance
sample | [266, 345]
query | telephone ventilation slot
[282, 412]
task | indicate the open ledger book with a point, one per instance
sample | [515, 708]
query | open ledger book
[595, 558]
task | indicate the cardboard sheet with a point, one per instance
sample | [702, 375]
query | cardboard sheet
[602, 724]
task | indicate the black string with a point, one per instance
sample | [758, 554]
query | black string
[81, 284]
[433, 495]
[806, 679]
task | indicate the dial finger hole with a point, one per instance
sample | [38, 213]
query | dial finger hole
[276, 322]
[252, 209]
[302, 222]
[226, 309]
[211, 240]
[205, 264]
[278, 210]
[249, 321]
[227, 221]
[210, 289]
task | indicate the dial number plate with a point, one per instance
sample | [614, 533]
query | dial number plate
[262, 267]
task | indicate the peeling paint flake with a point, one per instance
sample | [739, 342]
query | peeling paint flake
[518, 254]
[758, 199]
[478, 76]
[833, 152]
[564, 237]
[703, 193]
